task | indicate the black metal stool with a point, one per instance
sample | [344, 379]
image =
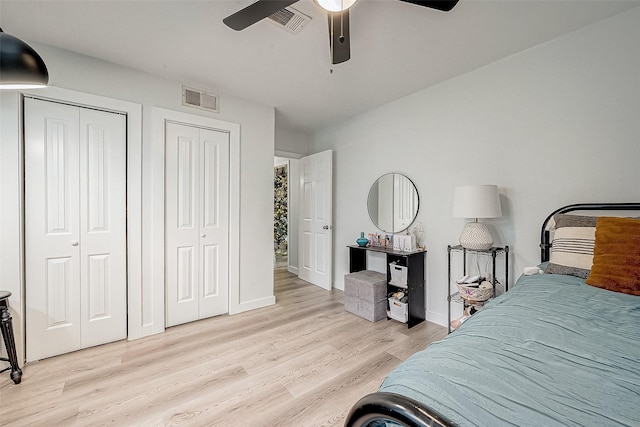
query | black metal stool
[9, 341]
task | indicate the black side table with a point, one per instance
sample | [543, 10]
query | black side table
[493, 252]
[9, 342]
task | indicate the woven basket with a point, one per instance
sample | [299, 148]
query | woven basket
[474, 293]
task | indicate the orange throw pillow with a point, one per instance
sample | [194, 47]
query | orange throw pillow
[616, 255]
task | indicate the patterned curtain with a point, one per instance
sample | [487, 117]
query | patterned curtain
[280, 214]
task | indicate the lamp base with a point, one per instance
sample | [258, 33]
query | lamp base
[476, 236]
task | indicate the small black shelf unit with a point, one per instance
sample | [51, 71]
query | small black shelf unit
[413, 260]
[493, 252]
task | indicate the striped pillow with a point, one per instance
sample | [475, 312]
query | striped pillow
[572, 247]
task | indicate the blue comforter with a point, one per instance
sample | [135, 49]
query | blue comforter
[553, 351]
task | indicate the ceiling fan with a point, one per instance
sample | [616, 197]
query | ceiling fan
[337, 14]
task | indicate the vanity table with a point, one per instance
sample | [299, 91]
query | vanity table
[413, 260]
[392, 205]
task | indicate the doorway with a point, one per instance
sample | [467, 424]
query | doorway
[281, 213]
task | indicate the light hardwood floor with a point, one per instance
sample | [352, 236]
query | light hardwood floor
[301, 362]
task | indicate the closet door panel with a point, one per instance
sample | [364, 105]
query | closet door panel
[182, 232]
[214, 222]
[52, 251]
[187, 275]
[103, 227]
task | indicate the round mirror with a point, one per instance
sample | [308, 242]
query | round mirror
[393, 203]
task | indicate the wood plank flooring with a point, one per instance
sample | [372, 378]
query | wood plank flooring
[301, 362]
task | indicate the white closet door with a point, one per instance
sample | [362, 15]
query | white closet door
[52, 232]
[75, 234]
[103, 243]
[197, 195]
[214, 223]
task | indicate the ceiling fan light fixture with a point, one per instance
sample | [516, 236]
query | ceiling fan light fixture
[335, 5]
[20, 66]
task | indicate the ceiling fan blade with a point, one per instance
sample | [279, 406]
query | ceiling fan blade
[255, 12]
[339, 42]
[443, 5]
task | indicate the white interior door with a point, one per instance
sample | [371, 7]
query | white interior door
[315, 223]
[405, 203]
[197, 223]
[75, 227]
[385, 202]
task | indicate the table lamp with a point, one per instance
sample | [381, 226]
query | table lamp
[476, 201]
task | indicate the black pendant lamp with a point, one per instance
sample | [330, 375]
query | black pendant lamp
[20, 66]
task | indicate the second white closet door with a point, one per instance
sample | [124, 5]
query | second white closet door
[197, 223]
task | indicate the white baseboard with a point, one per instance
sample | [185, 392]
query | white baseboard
[293, 270]
[437, 318]
[252, 305]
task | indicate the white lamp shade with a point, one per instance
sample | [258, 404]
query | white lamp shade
[335, 5]
[476, 201]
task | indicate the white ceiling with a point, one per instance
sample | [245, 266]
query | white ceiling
[396, 48]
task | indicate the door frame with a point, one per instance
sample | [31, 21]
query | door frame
[159, 117]
[133, 113]
[293, 179]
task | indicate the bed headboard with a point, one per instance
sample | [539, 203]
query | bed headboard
[545, 241]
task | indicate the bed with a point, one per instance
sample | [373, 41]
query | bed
[553, 351]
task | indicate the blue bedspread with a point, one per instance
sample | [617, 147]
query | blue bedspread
[553, 351]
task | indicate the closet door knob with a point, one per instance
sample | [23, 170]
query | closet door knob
[74, 243]
[203, 235]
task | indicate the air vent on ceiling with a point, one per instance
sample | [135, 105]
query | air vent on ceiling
[290, 19]
[199, 99]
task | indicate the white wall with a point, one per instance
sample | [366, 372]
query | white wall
[257, 128]
[289, 143]
[554, 125]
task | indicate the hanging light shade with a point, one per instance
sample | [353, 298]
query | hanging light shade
[335, 5]
[20, 66]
